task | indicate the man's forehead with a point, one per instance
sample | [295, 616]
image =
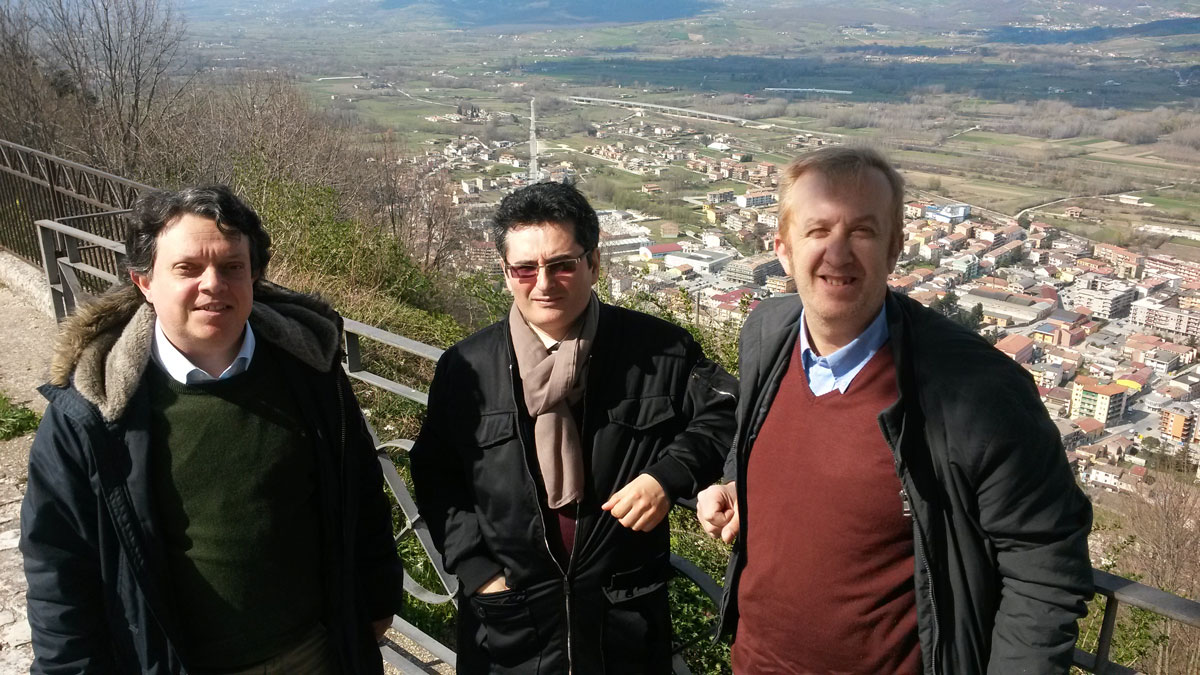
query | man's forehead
[861, 180]
[542, 224]
[198, 224]
[866, 192]
[524, 240]
[184, 238]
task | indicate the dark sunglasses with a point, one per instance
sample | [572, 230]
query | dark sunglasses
[558, 268]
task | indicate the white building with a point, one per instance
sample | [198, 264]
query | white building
[754, 198]
[1107, 298]
[708, 261]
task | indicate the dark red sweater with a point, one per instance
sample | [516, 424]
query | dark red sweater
[828, 582]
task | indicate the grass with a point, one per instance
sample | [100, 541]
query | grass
[1183, 202]
[989, 138]
[16, 420]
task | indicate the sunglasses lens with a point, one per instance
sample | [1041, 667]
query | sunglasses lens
[559, 268]
[562, 267]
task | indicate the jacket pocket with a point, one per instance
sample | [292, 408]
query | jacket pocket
[495, 429]
[510, 636]
[637, 622]
[642, 413]
[490, 450]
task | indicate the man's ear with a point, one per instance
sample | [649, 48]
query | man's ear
[783, 252]
[893, 258]
[142, 281]
[594, 264]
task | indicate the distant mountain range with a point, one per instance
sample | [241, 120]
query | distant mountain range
[911, 15]
[555, 12]
[1039, 36]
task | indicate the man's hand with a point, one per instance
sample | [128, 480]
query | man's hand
[380, 626]
[641, 505]
[717, 511]
[494, 585]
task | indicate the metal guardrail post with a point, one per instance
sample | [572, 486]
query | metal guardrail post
[56, 204]
[353, 353]
[416, 526]
[71, 288]
[46, 239]
[1104, 643]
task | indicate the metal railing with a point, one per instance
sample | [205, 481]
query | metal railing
[63, 252]
[36, 186]
[77, 263]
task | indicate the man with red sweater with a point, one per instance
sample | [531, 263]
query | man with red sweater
[898, 498]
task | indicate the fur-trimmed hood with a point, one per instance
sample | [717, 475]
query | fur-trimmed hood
[104, 347]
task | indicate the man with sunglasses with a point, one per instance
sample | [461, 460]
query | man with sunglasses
[554, 444]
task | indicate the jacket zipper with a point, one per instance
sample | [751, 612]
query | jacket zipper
[920, 537]
[542, 517]
[342, 453]
[575, 535]
[116, 498]
[347, 526]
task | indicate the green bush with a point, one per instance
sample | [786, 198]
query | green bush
[16, 420]
[693, 614]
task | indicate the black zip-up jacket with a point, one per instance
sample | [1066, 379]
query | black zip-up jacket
[96, 568]
[999, 525]
[654, 405]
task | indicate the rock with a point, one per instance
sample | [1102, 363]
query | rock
[16, 634]
[9, 539]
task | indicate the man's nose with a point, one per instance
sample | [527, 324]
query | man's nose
[211, 278]
[545, 278]
[837, 248]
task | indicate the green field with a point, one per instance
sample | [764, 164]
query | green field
[723, 60]
[1176, 202]
[989, 138]
[1085, 141]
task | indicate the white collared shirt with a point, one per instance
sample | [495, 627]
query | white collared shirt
[184, 371]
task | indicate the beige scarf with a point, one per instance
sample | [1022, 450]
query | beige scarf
[553, 381]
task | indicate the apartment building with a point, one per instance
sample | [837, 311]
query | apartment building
[1106, 298]
[1104, 403]
[1161, 311]
[753, 270]
[1177, 424]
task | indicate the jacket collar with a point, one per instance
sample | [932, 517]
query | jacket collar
[892, 419]
[778, 332]
[104, 347]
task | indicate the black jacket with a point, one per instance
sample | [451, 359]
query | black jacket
[999, 525]
[95, 565]
[653, 405]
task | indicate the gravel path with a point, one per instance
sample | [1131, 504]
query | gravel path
[26, 342]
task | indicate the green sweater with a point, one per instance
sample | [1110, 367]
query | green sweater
[233, 468]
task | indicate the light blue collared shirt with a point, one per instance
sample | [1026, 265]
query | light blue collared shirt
[837, 370]
[184, 371]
